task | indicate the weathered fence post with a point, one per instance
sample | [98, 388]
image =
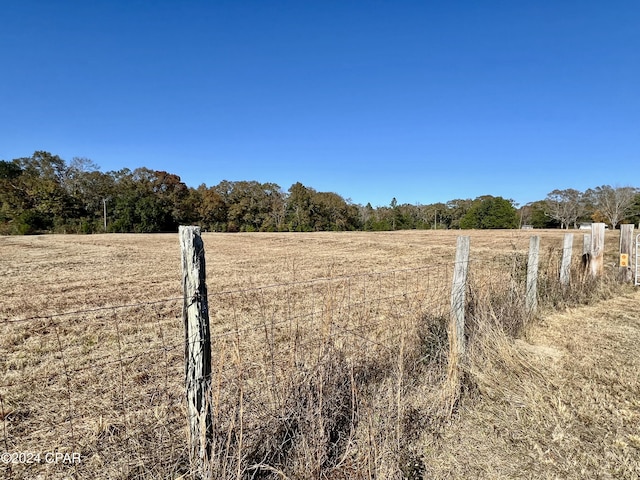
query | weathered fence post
[586, 253]
[456, 323]
[625, 269]
[531, 299]
[565, 266]
[596, 255]
[458, 292]
[195, 314]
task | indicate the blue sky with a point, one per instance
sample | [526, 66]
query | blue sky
[424, 101]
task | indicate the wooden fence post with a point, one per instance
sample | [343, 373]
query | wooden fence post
[596, 255]
[565, 266]
[625, 269]
[456, 322]
[458, 291]
[195, 314]
[586, 253]
[531, 299]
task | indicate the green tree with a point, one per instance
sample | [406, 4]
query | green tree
[634, 215]
[534, 214]
[366, 215]
[173, 195]
[278, 209]
[212, 209]
[11, 194]
[382, 220]
[456, 209]
[299, 208]
[139, 205]
[9, 170]
[42, 193]
[436, 216]
[88, 188]
[489, 212]
[332, 212]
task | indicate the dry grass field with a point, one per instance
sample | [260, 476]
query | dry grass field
[562, 402]
[329, 359]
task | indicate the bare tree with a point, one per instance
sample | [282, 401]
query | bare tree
[614, 203]
[565, 206]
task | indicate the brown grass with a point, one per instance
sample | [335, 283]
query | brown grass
[329, 352]
[560, 403]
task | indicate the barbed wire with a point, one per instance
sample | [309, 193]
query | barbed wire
[88, 310]
[120, 360]
[224, 292]
[236, 332]
[287, 318]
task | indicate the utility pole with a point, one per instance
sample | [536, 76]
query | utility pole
[104, 204]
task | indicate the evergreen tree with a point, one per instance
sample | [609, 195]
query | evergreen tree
[490, 213]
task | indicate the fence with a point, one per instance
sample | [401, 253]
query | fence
[99, 393]
[332, 373]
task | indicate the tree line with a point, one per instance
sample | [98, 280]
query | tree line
[44, 193]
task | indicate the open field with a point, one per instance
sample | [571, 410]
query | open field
[319, 339]
[54, 273]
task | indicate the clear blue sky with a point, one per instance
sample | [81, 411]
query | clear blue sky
[422, 100]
